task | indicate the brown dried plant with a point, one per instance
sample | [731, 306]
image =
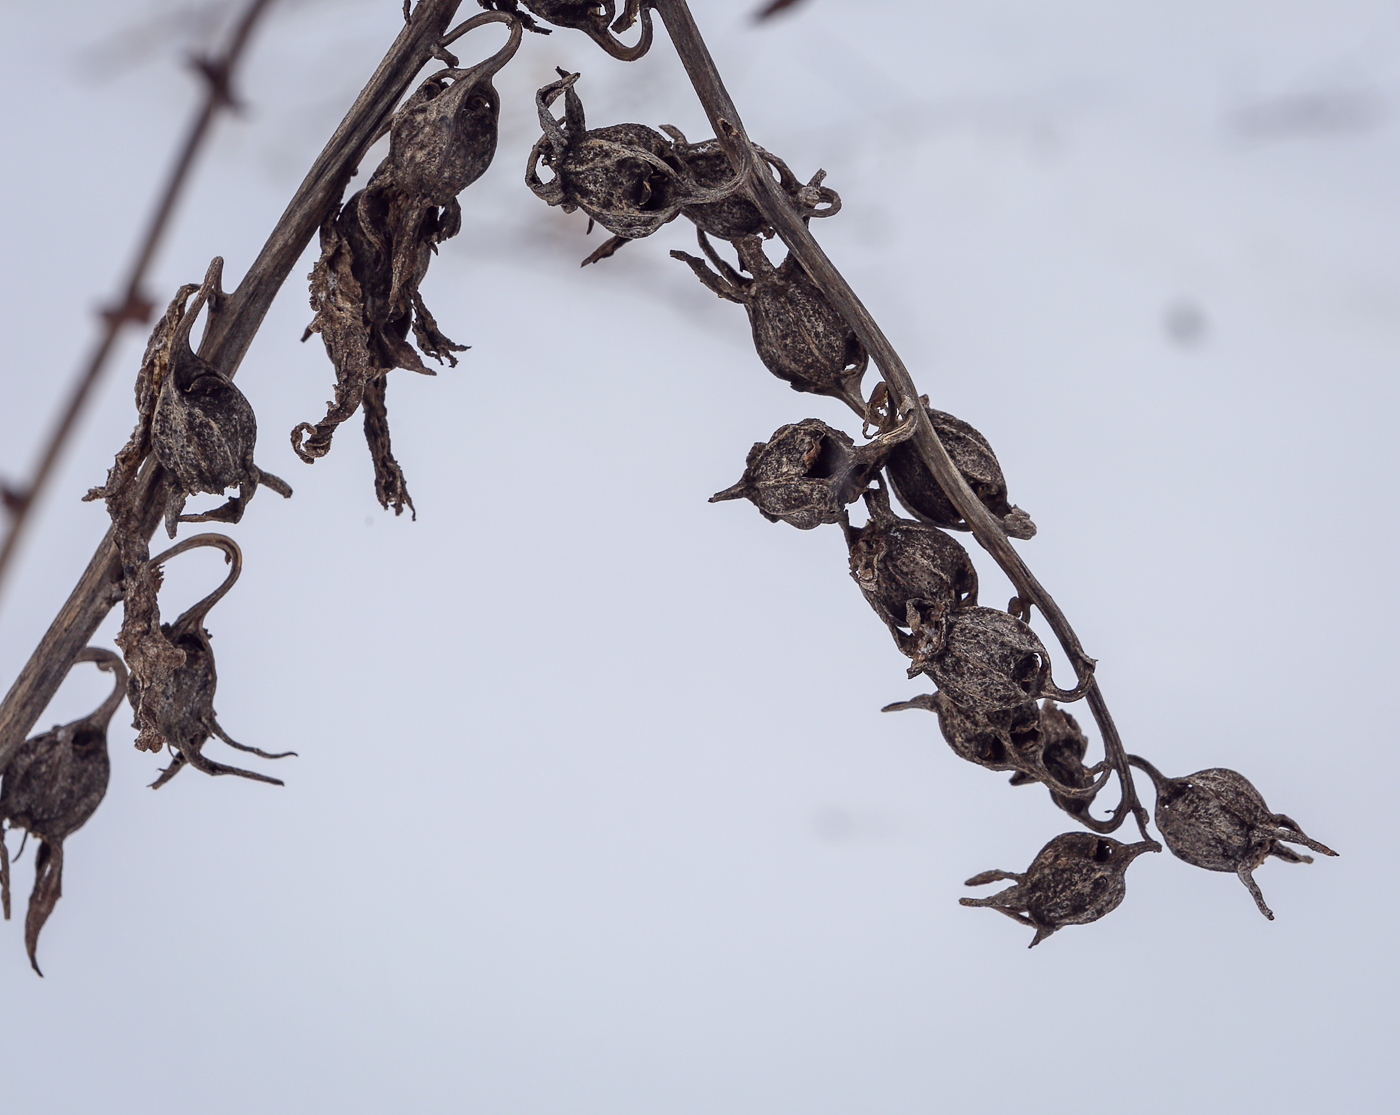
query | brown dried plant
[996, 702]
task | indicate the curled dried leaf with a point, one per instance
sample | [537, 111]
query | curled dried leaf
[916, 487]
[797, 333]
[1076, 878]
[805, 474]
[52, 785]
[1217, 820]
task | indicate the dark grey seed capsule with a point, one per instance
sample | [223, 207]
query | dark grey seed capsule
[987, 660]
[1076, 878]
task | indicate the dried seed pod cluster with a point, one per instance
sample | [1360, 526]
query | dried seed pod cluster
[50, 788]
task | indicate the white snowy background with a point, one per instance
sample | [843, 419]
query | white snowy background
[595, 811]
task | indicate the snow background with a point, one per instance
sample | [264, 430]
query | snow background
[595, 810]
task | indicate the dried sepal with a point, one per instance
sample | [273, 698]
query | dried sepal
[911, 574]
[624, 176]
[918, 490]
[1217, 820]
[1076, 878]
[798, 334]
[52, 785]
[376, 250]
[706, 164]
[176, 706]
[805, 474]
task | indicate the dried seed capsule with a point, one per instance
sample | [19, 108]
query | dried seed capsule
[181, 701]
[985, 660]
[593, 17]
[1216, 819]
[1075, 879]
[623, 176]
[925, 499]
[53, 784]
[203, 429]
[910, 573]
[805, 474]
[797, 333]
[1063, 747]
[706, 164]
[1003, 739]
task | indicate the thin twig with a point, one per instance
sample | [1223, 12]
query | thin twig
[778, 210]
[225, 342]
[132, 306]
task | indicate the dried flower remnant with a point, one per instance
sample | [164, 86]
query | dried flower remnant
[797, 333]
[1021, 738]
[194, 420]
[1216, 819]
[971, 454]
[375, 252]
[52, 785]
[623, 176]
[911, 574]
[181, 702]
[805, 474]
[1076, 878]
[593, 17]
[706, 164]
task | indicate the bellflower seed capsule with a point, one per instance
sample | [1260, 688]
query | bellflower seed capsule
[1063, 747]
[593, 17]
[797, 333]
[1075, 879]
[52, 785]
[624, 176]
[1003, 739]
[909, 573]
[706, 164]
[805, 474]
[971, 453]
[203, 428]
[986, 660]
[183, 702]
[1216, 819]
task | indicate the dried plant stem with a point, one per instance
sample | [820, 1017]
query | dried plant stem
[225, 342]
[133, 306]
[778, 210]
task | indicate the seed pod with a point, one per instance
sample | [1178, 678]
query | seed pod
[1063, 747]
[805, 474]
[53, 784]
[1075, 879]
[925, 499]
[203, 429]
[985, 660]
[1004, 739]
[706, 164]
[182, 701]
[593, 17]
[623, 176]
[797, 333]
[1216, 819]
[911, 574]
